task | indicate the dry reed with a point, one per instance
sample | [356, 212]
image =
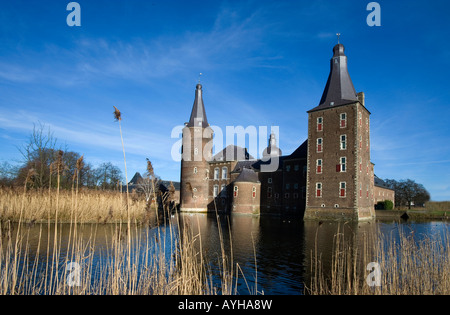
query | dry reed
[408, 265]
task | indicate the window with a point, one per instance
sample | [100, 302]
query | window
[343, 142]
[288, 168]
[224, 173]
[195, 170]
[367, 191]
[235, 191]
[269, 180]
[360, 142]
[319, 166]
[360, 164]
[343, 120]
[288, 186]
[319, 145]
[254, 192]
[286, 196]
[216, 191]
[360, 190]
[360, 119]
[216, 173]
[269, 192]
[223, 191]
[342, 189]
[296, 186]
[319, 190]
[342, 166]
[296, 167]
[320, 124]
[295, 195]
[196, 151]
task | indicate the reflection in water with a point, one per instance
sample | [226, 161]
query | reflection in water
[267, 255]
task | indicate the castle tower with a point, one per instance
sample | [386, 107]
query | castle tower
[339, 171]
[246, 193]
[196, 153]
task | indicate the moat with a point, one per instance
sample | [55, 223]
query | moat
[273, 254]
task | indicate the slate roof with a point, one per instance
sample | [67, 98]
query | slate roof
[339, 89]
[301, 152]
[198, 115]
[380, 183]
[232, 153]
[247, 175]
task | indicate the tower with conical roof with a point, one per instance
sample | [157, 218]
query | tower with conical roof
[339, 171]
[196, 153]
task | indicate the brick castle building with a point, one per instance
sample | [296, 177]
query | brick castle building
[330, 176]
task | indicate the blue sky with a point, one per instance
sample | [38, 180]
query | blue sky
[264, 63]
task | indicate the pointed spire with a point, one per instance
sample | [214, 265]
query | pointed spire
[198, 115]
[339, 89]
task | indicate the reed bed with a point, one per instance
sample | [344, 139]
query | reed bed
[409, 265]
[166, 260]
[88, 206]
[50, 244]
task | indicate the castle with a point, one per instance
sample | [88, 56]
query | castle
[329, 177]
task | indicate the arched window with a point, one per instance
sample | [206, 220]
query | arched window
[216, 173]
[235, 191]
[224, 172]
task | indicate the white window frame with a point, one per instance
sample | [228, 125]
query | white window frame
[343, 120]
[343, 142]
[317, 166]
[319, 123]
[340, 189]
[223, 190]
[216, 191]
[319, 142]
[343, 164]
[224, 172]
[216, 173]
[319, 187]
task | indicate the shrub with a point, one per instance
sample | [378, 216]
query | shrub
[388, 205]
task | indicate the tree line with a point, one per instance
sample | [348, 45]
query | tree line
[42, 155]
[408, 193]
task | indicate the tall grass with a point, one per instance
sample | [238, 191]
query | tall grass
[92, 206]
[408, 265]
[166, 260]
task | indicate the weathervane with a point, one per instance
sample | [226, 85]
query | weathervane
[338, 36]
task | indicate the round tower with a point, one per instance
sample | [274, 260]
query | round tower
[246, 193]
[196, 154]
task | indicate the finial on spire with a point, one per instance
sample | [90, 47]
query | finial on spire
[338, 36]
[199, 76]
